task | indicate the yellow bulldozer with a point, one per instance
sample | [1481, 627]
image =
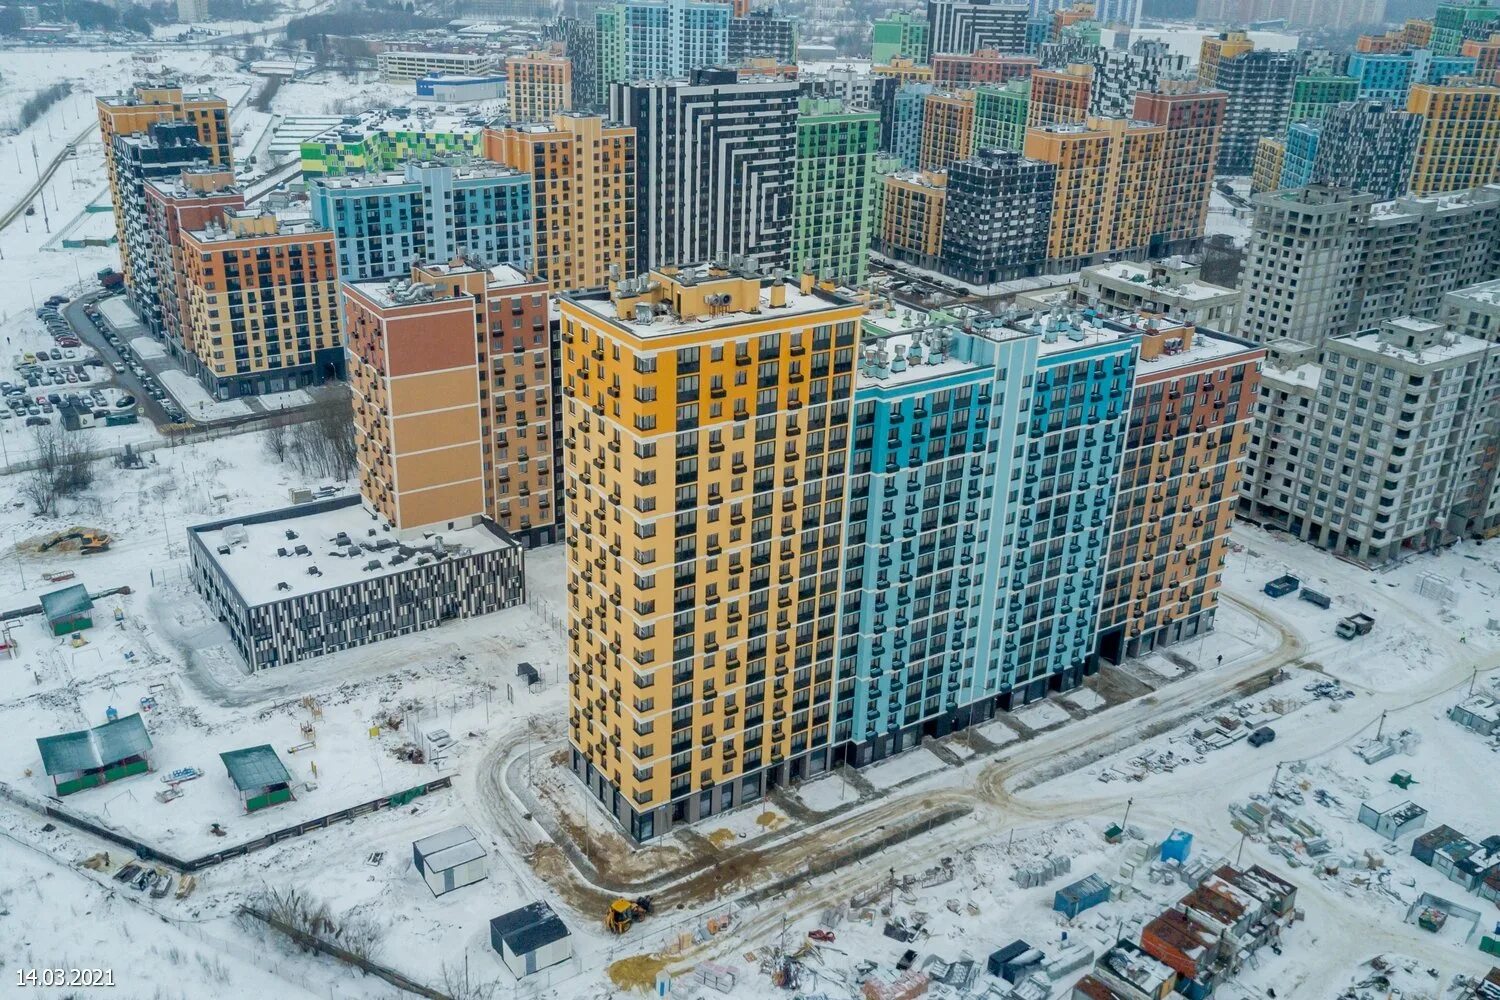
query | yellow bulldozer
[624, 914]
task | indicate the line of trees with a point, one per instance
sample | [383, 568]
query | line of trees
[320, 446]
[38, 103]
[62, 467]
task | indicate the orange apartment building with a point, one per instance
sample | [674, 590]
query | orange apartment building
[1194, 123]
[1059, 96]
[262, 304]
[1218, 48]
[1486, 55]
[1066, 16]
[911, 222]
[947, 129]
[172, 207]
[1458, 146]
[1190, 422]
[583, 194]
[452, 377]
[707, 420]
[539, 85]
[1109, 187]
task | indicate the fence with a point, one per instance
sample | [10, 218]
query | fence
[149, 853]
[315, 943]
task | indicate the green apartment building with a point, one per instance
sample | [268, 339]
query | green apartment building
[899, 35]
[1456, 21]
[1312, 96]
[1000, 116]
[380, 141]
[609, 50]
[831, 216]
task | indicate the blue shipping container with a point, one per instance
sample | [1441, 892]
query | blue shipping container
[1072, 900]
[1177, 846]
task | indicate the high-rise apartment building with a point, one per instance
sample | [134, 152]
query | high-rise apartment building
[1259, 85]
[1373, 450]
[1119, 74]
[704, 573]
[579, 39]
[1172, 288]
[908, 115]
[172, 206]
[452, 374]
[1313, 95]
[1367, 146]
[262, 303]
[856, 88]
[1000, 115]
[1060, 97]
[165, 149]
[1194, 121]
[539, 85]
[1458, 20]
[997, 216]
[1191, 412]
[384, 222]
[1459, 144]
[947, 129]
[1270, 161]
[955, 70]
[1475, 312]
[1486, 55]
[899, 34]
[761, 34]
[1389, 76]
[1298, 155]
[641, 40]
[911, 217]
[970, 25]
[582, 172]
[904, 70]
[715, 168]
[831, 217]
[1109, 187]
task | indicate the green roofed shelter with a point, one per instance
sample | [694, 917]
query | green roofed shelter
[90, 757]
[68, 610]
[259, 776]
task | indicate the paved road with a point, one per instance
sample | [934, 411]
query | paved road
[41, 182]
[90, 335]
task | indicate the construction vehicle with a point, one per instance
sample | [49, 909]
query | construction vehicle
[1354, 625]
[624, 914]
[88, 541]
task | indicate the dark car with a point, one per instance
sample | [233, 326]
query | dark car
[37, 421]
[1262, 736]
[56, 300]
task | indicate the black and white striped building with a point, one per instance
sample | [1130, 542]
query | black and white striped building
[298, 582]
[715, 165]
[966, 26]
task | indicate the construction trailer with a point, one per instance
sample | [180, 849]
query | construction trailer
[1072, 900]
[449, 860]
[68, 610]
[1425, 847]
[1392, 817]
[530, 939]
[1478, 713]
[90, 757]
[259, 776]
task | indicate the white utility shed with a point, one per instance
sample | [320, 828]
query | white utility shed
[449, 860]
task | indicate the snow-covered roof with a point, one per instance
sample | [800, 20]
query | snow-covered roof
[91, 749]
[448, 849]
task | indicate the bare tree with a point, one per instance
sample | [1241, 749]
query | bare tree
[360, 934]
[278, 440]
[458, 984]
[61, 467]
[323, 444]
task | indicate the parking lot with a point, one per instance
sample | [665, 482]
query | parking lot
[88, 322]
[67, 382]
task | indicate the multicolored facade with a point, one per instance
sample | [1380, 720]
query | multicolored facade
[1486, 55]
[947, 129]
[1389, 76]
[1312, 95]
[899, 35]
[903, 70]
[1059, 97]
[539, 85]
[381, 141]
[451, 372]
[164, 149]
[955, 70]
[1000, 115]
[1109, 187]
[583, 188]
[1194, 120]
[383, 223]
[1461, 19]
[831, 217]
[262, 304]
[1459, 144]
[173, 206]
[1191, 413]
[707, 430]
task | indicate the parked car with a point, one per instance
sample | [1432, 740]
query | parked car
[1262, 736]
[56, 300]
[37, 421]
[119, 368]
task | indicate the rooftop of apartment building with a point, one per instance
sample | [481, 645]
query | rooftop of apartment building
[131, 97]
[672, 300]
[547, 127]
[1412, 205]
[463, 169]
[395, 292]
[1175, 278]
[1486, 293]
[1410, 341]
[196, 182]
[1093, 124]
[353, 128]
[305, 553]
[254, 224]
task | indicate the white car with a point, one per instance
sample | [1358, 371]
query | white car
[119, 368]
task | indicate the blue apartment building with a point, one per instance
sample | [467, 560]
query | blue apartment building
[908, 112]
[1300, 153]
[1388, 76]
[383, 222]
[983, 473]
